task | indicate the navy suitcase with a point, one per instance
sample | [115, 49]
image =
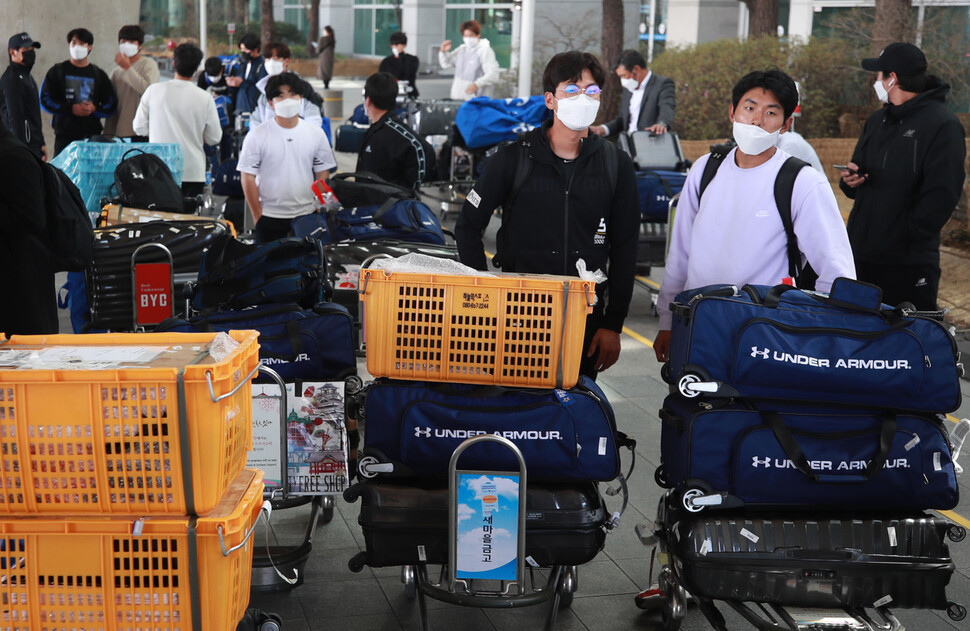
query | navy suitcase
[656, 188]
[350, 136]
[565, 524]
[781, 343]
[737, 454]
[563, 434]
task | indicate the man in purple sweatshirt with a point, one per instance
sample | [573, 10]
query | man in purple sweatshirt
[734, 233]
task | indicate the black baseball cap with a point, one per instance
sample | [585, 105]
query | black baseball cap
[21, 40]
[899, 57]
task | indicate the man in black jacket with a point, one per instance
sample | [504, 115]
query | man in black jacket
[391, 149]
[905, 176]
[19, 102]
[579, 201]
[403, 66]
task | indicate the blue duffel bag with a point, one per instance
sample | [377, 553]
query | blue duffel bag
[805, 456]
[299, 344]
[656, 188]
[403, 220]
[563, 434]
[781, 343]
[483, 121]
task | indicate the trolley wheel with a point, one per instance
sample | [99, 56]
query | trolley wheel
[351, 494]
[685, 381]
[410, 581]
[567, 586]
[326, 510]
[956, 533]
[660, 477]
[665, 373]
[956, 611]
[357, 562]
[270, 625]
[353, 384]
[689, 495]
[669, 622]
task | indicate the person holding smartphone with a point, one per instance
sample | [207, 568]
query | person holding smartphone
[905, 177]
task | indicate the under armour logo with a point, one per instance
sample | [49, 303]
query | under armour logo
[419, 432]
[756, 353]
[758, 462]
[921, 282]
[137, 176]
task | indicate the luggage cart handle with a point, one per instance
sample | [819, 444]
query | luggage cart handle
[266, 509]
[212, 392]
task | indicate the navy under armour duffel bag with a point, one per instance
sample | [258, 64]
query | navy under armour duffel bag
[403, 220]
[782, 343]
[656, 188]
[563, 434]
[803, 456]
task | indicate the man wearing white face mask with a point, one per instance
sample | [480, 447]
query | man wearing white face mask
[476, 69]
[648, 102]
[277, 62]
[906, 175]
[130, 80]
[565, 195]
[733, 233]
[280, 160]
[77, 93]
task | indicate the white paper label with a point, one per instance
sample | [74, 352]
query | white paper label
[705, 547]
[882, 602]
[531, 561]
[750, 536]
[421, 555]
[892, 536]
[137, 527]
[912, 443]
[474, 198]
[601, 451]
[936, 461]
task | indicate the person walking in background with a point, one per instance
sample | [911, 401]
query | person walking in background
[244, 72]
[179, 111]
[906, 176]
[325, 55]
[476, 69]
[29, 303]
[130, 80]
[402, 66]
[19, 102]
[77, 93]
[648, 101]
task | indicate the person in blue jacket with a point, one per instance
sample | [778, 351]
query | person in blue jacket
[244, 72]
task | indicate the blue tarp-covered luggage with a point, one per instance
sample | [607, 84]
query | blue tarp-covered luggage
[483, 121]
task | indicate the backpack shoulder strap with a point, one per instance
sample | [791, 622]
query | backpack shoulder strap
[523, 168]
[610, 165]
[784, 186]
[710, 170]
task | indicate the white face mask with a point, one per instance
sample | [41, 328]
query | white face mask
[577, 112]
[79, 52]
[128, 49]
[213, 79]
[630, 83]
[288, 108]
[881, 91]
[273, 67]
[754, 140]
[397, 51]
[470, 41]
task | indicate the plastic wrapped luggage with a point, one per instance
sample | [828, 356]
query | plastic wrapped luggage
[781, 343]
[564, 523]
[827, 560]
[805, 456]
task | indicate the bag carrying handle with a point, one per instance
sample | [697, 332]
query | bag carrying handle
[124, 156]
[843, 299]
[372, 178]
[794, 452]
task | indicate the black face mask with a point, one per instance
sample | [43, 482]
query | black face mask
[30, 56]
[245, 56]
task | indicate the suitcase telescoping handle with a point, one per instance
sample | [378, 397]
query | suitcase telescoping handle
[797, 456]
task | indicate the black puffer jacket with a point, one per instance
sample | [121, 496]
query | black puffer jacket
[913, 154]
[561, 214]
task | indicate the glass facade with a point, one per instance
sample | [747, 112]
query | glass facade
[374, 21]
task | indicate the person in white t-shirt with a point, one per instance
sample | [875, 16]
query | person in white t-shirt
[181, 112]
[733, 234]
[280, 160]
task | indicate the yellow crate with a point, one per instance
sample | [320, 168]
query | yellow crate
[116, 574]
[513, 330]
[129, 440]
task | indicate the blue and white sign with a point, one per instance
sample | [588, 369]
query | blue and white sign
[488, 511]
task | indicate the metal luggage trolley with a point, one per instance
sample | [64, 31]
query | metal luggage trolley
[457, 586]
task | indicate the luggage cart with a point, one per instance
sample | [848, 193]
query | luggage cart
[456, 588]
[673, 591]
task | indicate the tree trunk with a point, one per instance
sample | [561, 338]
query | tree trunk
[268, 33]
[892, 23]
[762, 17]
[191, 23]
[242, 14]
[612, 46]
[313, 27]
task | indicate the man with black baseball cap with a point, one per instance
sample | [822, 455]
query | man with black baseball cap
[905, 176]
[19, 103]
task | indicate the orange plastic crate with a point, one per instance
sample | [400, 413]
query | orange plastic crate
[78, 441]
[513, 330]
[94, 574]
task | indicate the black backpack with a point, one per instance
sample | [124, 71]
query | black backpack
[145, 181]
[70, 235]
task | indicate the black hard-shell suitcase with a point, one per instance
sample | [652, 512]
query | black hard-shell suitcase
[564, 523]
[828, 561]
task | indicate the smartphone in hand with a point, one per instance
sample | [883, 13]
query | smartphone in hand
[845, 167]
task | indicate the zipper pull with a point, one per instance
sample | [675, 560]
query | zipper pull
[926, 359]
